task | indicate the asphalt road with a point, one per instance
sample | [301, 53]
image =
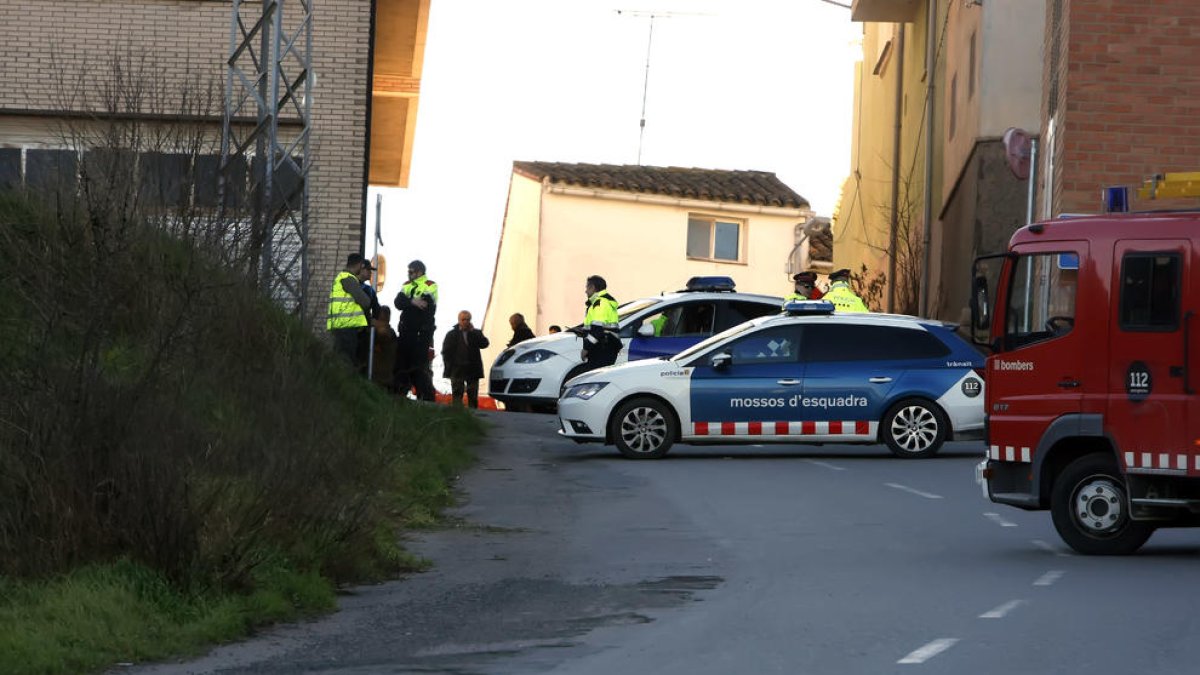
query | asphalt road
[721, 560]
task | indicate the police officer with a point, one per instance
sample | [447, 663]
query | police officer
[843, 298]
[600, 339]
[417, 304]
[348, 307]
[805, 288]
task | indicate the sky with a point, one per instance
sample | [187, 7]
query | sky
[763, 85]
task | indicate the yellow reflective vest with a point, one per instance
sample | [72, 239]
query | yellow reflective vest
[601, 316]
[844, 299]
[344, 312]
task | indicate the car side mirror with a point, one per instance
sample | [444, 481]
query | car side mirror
[721, 361]
[645, 330]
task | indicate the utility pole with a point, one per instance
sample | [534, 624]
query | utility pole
[646, 80]
[269, 76]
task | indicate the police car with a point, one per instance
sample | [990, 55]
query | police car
[809, 375]
[532, 372]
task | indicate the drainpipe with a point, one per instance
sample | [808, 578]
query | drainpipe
[931, 82]
[895, 224]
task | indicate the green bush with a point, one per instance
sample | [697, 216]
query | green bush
[168, 438]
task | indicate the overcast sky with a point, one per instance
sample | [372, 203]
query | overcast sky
[734, 84]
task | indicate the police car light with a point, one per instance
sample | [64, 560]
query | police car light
[804, 307]
[696, 284]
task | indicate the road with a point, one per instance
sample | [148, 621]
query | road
[720, 560]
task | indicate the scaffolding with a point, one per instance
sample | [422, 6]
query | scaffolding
[263, 174]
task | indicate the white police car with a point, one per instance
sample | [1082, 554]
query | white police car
[532, 372]
[806, 376]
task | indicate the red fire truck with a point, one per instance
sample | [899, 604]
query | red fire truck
[1092, 383]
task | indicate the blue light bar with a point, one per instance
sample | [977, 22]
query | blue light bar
[806, 307]
[696, 284]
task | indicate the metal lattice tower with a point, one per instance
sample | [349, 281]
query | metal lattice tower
[264, 174]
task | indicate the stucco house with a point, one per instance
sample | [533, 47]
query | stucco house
[646, 230]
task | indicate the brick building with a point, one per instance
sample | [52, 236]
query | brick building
[1121, 97]
[58, 63]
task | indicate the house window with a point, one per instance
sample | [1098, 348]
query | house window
[971, 74]
[714, 239]
[953, 105]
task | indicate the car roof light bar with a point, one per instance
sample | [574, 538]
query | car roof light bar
[806, 307]
[697, 284]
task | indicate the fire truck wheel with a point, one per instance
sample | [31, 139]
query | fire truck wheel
[643, 428]
[914, 428]
[1091, 510]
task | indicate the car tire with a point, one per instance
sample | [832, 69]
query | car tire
[1090, 509]
[643, 428]
[914, 428]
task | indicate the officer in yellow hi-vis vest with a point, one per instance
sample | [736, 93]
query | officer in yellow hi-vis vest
[805, 286]
[839, 293]
[601, 344]
[417, 304]
[348, 306]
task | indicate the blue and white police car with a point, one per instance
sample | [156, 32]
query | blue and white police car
[532, 373]
[808, 375]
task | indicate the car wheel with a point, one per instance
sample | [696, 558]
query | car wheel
[1091, 510]
[914, 428]
[643, 428]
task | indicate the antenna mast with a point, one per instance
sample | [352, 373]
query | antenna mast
[646, 80]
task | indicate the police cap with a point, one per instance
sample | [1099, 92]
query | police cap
[806, 277]
[840, 275]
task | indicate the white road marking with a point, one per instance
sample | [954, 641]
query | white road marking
[927, 495]
[1050, 549]
[827, 465]
[997, 519]
[999, 612]
[1049, 578]
[929, 651]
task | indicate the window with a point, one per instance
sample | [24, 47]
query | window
[1150, 292]
[684, 320]
[860, 342]
[953, 106]
[1041, 304]
[735, 312]
[773, 345]
[971, 73]
[10, 168]
[713, 239]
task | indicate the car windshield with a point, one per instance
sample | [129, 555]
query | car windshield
[701, 346]
[634, 306]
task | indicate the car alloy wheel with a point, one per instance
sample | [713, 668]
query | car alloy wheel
[643, 428]
[914, 428]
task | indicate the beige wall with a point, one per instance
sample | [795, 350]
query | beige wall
[515, 280]
[1008, 77]
[638, 243]
[48, 38]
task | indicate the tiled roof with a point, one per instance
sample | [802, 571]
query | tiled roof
[741, 187]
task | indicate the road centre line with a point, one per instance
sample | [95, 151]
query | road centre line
[1049, 578]
[827, 465]
[905, 488]
[999, 520]
[1050, 549]
[923, 654]
[999, 612]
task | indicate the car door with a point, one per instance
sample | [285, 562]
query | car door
[850, 370]
[753, 392]
[1147, 391]
[675, 328]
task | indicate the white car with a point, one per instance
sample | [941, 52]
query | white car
[531, 373]
[807, 376]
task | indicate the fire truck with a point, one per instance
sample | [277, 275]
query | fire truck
[1091, 398]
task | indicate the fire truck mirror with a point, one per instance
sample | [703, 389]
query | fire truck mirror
[980, 312]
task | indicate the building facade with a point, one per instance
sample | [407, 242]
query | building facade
[65, 58]
[646, 230]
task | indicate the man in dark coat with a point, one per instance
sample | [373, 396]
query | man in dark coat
[463, 363]
[521, 330]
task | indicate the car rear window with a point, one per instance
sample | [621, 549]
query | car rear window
[862, 342]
